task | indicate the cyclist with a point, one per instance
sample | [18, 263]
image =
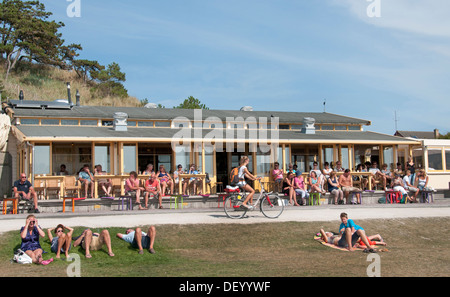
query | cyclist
[244, 173]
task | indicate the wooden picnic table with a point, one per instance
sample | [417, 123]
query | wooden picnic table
[186, 175]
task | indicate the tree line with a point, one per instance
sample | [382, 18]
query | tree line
[27, 33]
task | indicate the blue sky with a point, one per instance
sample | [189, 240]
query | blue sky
[288, 55]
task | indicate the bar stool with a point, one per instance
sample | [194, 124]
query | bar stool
[392, 196]
[15, 202]
[129, 201]
[312, 196]
[219, 185]
[427, 196]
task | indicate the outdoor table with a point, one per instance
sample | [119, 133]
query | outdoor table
[185, 175]
[59, 178]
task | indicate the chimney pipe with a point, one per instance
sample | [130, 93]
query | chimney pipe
[21, 95]
[78, 98]
[69, 98]
[436, 134]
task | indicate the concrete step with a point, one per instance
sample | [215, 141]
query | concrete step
[212, 201]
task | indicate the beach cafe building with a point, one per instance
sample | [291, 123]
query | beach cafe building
[44, 135]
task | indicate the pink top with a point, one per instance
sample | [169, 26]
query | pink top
[299, 182]
[129, 184]
[277, 173]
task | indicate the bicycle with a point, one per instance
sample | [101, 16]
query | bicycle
[271, 207]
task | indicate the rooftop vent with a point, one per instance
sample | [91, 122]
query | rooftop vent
[247, 108]
[308, 126]
[120, 121]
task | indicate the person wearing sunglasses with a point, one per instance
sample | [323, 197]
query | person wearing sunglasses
[61, 242]
[25, 191]
[30, 234]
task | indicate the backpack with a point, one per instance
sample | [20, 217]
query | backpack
[21, 258]
[234, 176]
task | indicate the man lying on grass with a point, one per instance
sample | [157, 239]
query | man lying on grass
[139, 239]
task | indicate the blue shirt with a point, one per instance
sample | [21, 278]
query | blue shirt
[25, 187]
[31, 241]
[130, 236]
[84, 175]
[350, 224]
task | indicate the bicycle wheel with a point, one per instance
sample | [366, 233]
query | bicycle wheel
[272, 207]
[233, 207]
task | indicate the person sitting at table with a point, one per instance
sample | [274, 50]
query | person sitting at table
[86, 179]
[346, 183]
[377, 175]
[24, 191]
[277, 175]
[165, 180]
[364, 178]
[399, 169]
[133, 187]
[152, 186]
[105, 184]
[339, 167]
[148, 170]
[196, 183]
[62, 170]
[386, 173]
[177, 179]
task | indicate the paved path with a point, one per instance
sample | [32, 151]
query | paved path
[217, 216]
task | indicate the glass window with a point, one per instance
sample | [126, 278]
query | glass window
[182, 155]
[69, 122]
[129, 158]
[388, 157]
[42, 159]
[354, 128]
[29, 121]
[417, 155]
[262, 162]
[145, 124]
[209, 151]
[131, 123]
[447, 159]
[88, 122]
[284, 127]
[162, 124]
[328, 154]
[344, 157]
[340, 128]
[327, 127]
[435, 159]
[102, 157]
[49, 122]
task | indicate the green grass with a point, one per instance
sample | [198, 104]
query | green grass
[417, 247]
